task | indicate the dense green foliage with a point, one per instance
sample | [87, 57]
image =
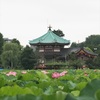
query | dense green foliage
[42, 85]
[21, 59]
[92, 43]
[13, 55]
[10, 55]
[15, 41]
[28, 58]
[1, 45]
[1, 42]
[74, 62]
[58, 32]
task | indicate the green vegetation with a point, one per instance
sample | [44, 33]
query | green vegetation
[28, 58]
[50, 84]
[15, 56]
[58, 32]
[92, 43]
[10, 55]
[1, 42]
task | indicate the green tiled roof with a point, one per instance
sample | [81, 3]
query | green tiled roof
[49, 38]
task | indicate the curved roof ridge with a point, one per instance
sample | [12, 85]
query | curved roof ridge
[48, 38]
[87, 51]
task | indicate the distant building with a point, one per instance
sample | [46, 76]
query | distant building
[84, 54]
[50, 46]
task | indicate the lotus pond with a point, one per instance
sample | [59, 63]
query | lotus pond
[69, 84]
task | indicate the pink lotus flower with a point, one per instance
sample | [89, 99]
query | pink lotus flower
[44, 71]
[11, 73]
[55, 75]
[63, 73]
[24, 72]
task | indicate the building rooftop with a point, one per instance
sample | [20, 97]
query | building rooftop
[49, 38]
[86, 51]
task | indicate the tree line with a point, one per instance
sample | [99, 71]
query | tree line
[92, 42]
[14, 56]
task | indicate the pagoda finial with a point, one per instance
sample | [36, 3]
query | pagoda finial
[49, 27]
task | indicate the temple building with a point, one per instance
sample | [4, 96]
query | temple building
[84, 54]
[51, 52]
[49, 46]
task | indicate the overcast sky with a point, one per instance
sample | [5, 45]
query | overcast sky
[28, 19]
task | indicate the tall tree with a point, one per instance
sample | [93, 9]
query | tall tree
[1, 42]
[58, 32]
[28, 58]
[1, 45]
[10, 55]
[93, 42]
[74, 45]
[15, 41]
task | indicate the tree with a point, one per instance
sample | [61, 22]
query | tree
[92, 42]
[58, 32]
[1, 45]
[28, 58]
[1, 42]
[15, 41]
[94, 63]
[72, 56]
[74, 45]
[10, 55]
[77, 63]
[74, 61]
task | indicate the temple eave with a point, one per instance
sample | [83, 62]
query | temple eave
[49, 43]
